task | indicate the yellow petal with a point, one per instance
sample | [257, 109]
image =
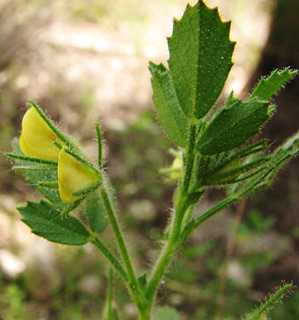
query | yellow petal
[37, 138]
[178, 165]
[74, 176]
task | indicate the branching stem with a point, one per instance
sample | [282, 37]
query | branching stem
[111, 258]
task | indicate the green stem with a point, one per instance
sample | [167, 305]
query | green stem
[121, 244]
[220, 206]
[181, 206]
[167, 252]
[111, 258]
[189, 158]
[271, 301]
[144, 313]
[195, 223]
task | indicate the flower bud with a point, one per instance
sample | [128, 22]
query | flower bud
[37, 138]
[74, 176]
[177, 166]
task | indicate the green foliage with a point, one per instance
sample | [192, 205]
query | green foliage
[47, 222]
[270, 301]
[268, 171]
[200, 52]
[267, 87]
[170, 113]
[259, 223]
[14, 304]
[166, 313]
[233, 126]
[96, 213]
[215, 151]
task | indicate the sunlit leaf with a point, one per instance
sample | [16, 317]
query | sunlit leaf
[200, 58]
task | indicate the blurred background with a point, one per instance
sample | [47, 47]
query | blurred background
[86, 61]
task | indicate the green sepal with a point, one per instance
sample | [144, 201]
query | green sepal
[251, 149]
[267, 87]
[268, 171]
[200, 58]
[86, 191]
[49, 184]
[170, 114]
[233, 126]
[226, 175]
[96, 212]
[47, 222]
[30, 159]
[32, 167]
[50, 123]
[83, 159]
[72, 147]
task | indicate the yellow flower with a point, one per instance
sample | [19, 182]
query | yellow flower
[177, 165]
[37, 138]
[74, 176]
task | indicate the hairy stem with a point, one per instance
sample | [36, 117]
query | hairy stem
[189, 158]
[121, 244]
[167, 252]
[181, 206]
[195, 223]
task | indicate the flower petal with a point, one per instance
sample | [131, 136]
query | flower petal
[37, 138]
[74, 176]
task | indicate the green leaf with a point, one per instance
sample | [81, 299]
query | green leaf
[170, 113]
[166, 313]
[95, 212]
[47, 222]
[278, 159]
[233, 126]
[270, 301]
[200, 58]
[267, 87]
[230, 174]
